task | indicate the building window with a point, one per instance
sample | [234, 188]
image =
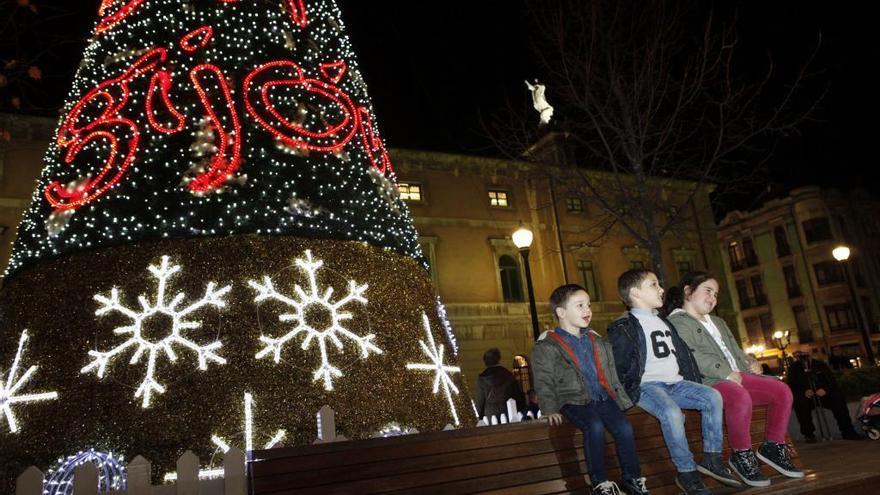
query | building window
[511, 287]
[753, 327]
[805, 332]
[410, 191]
[782, 246]
[758, 290]
[574, 205]
[840, 317]
[817, 230]
[587, 276]
[742, 290]
[637, 265]
[767, 326]
[749, 250]
[737, 258]
[498, 198]
[683, 267]
[828, 272]
[521, 371]
[791, 283]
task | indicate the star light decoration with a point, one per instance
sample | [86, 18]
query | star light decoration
[9, 389]
[249, 430]
[179, 324]
[301, 303]
[441, 377]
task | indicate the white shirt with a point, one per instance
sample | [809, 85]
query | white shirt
[661, 364]
[713, 330]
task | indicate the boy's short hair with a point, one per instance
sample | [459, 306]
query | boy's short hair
[492, 357]
[561, 294]
[628, 280]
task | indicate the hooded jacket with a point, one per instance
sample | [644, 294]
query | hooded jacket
[710, 358]
[558, 378]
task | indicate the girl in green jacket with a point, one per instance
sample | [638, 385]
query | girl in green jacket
[738, 378]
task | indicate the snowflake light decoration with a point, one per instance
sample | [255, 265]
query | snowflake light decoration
[249, 430]
[13, 385]
[179, 324]
[308, 299]
[435, 354]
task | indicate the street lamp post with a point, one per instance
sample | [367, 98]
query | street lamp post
[781, 341]
[522, 239]
[841, 253]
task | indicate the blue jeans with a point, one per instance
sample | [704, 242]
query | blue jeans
[593, 419]
[665, 401]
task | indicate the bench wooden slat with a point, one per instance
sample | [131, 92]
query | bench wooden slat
[497, 459]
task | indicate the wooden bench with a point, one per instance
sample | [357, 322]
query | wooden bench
[521, 458]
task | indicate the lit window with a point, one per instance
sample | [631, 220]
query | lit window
[410, 191]
[574, 205]
[498, 198]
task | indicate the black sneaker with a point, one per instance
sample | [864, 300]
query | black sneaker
[712, 465]
[776, 455]
[746, 466]
[635, 486]
[606, 488]
[691, 484]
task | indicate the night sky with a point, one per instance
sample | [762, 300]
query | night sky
[434, 67]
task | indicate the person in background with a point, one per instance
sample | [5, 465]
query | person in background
[495, 386]
[813, 385]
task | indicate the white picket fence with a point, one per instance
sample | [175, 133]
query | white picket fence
[513, 416]
[190, 480]
[85, 479]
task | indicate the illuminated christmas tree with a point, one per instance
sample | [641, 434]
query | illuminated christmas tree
[218, 217]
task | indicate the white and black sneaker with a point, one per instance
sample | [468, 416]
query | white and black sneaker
[635, 486]
[776, 455]
[606, 488]
[745, 465]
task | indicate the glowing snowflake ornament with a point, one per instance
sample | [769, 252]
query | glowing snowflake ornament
[13, 385]
[311, 299]
[159, 309]
[435, 354]
[249, 430]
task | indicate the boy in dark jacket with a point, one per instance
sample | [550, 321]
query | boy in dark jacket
[660, 375]
[575, 378]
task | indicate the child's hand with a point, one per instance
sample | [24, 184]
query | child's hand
[755, 367]
[735, 377]
[554, 419]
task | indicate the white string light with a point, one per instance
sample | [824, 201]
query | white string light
[302, 302]
[10, 388]
[249, 430]
[140, 342]
[441, 376]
